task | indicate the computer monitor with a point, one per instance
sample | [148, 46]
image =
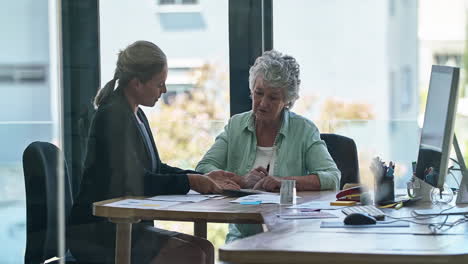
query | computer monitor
[437, 130]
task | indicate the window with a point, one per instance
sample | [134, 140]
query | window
[23, 73]
[448, 59]
[29, 108]
[391, 7]
[167, 2]
[350, 70]
[181, 78]
[370, 73]
[181, 15]
[178, 2]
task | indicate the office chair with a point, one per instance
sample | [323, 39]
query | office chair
[41, 169]
[343, 150]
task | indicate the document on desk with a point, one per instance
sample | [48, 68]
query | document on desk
[258, 199]
[316, 205]
[213, 196]
[194, 198]
[142, 204]
[307, 215]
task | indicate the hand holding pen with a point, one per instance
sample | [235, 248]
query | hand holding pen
[254, 176]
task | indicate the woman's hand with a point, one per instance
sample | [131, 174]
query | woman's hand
[203, 184]
[269, 183]
[254, 176]
[227, 178]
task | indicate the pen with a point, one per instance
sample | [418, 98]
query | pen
[268, 168]
[390, 172]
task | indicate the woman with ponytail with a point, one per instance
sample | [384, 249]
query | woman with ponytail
[122, 160]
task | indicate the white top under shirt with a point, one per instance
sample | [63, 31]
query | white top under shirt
[265, 156]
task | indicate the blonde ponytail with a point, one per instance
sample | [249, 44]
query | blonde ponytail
[104, 92]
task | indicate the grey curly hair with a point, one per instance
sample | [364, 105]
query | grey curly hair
[278, 70]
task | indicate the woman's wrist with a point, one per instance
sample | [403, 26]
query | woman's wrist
[306, 183]
[192, 179]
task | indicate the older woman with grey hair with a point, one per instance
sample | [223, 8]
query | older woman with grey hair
[270, 143]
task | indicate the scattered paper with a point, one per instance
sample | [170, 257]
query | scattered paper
[316, 205]
[142, 204]
[214, 196]
[192, 192]
[259, 198]
[218, 197]
[307, 215]
[194, 198]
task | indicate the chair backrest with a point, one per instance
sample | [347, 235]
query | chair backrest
[344, 152]
[41, 171]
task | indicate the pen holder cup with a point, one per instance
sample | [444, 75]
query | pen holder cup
[384, 190]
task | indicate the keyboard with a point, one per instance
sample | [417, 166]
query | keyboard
[367, 209]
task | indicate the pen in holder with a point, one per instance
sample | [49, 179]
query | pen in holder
[384, 190]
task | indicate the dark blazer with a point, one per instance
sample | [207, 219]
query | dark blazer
[118, 163]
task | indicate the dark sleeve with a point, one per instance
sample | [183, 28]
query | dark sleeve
[169, 169]
[118, 132]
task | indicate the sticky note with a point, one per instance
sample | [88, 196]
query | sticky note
[343, 203]
[253, 202]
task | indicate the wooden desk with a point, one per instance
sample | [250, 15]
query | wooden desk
[215, 211]
[303, 241]
[298, 241]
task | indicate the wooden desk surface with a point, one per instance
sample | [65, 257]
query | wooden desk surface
[303, 241]
[212, 210]
[219, 211]
[295, 246]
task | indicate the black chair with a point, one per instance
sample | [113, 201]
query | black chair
[343, 150]
[41, 170]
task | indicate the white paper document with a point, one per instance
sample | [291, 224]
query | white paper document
[142, 204]
[259, 198]
[323, 205]
[214, 196]
[194, 198]
[307, 215]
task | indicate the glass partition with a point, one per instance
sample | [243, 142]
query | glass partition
[363, 76]
[29, 104]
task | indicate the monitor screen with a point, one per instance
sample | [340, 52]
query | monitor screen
[437, 130]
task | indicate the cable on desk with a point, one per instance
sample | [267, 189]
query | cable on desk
[433, 227]
[453, 176]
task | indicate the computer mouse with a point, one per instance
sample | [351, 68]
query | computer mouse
[359, 219]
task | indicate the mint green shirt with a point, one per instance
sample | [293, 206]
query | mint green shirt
[299, 152]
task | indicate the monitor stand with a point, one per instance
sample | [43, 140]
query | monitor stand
[424, 190]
